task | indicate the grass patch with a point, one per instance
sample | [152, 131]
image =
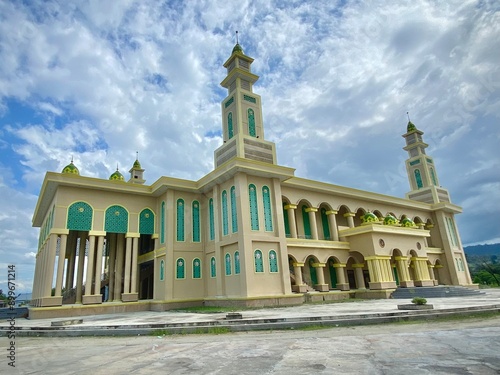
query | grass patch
[479, 315]
[207, 309]
[160, 332]
[196, 331]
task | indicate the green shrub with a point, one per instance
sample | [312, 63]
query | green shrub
[419, 301]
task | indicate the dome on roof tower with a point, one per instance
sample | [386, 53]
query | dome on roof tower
[411, 127]
[237, 49]
[136, 165]
[71, 169]
[117, 176]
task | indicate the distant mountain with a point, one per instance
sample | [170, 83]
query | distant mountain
[493, 249]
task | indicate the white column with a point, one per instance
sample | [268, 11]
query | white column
[311, 211]
[350, 219]
[290, 209]
[135, 247]
[98, 265]
[118, 267]
[79, 272]
[128, 261]
[333, 224]
[90, 267]
[60, 264]
[111, 244]
[358, 273]
[51, 260]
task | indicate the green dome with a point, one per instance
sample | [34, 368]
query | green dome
[117, 176]
[136, 165]
[71, 169]
[390, 220]
[237, 49]
[411, 127]
[408, 223]
[369, 218]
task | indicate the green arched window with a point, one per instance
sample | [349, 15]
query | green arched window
[259, 264]
[237, 263]
[79, 216]
[312, 271]
[418, 178]
[433, 176]
[196, 268]
[180, 220]
[254, 213]
[285, 218]
[268, 216]
[307, 223]
[162, 223]
[180, 269]
[146, 222]
[333, 274]
[228, 264]
[225, 220]
[230, 130]
[251, 123]
[162, 270]
[273, 261]
[211, 218]
[116, 220]
[213, 267]
[196, 221]
[234, 211]
[324, 221]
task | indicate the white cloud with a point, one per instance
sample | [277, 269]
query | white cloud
[336, 81]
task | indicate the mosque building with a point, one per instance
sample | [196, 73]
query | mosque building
[249, 233]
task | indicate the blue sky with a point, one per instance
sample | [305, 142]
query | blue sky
[98, 81]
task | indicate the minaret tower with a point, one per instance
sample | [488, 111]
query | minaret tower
[243, 131]
[137, 172]
[421, 170]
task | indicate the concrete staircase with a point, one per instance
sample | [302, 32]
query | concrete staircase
[435, 292]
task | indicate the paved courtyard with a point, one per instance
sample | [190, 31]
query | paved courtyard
[456, 347]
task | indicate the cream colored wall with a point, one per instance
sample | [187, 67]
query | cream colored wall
[100, 201]
[316, 199]
[264, 283]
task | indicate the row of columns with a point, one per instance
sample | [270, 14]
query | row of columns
[122, 266]
[380, 270]
[332, 221]
[322, 286]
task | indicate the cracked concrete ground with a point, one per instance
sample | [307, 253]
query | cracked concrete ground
[454, 347]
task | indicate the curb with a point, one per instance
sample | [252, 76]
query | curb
[245, 325]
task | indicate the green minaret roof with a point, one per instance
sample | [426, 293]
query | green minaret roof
[411, 127]
[237, 49]
[71, 169]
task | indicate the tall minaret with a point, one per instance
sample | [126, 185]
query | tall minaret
[242, 128]
[421, 170]
[137, 172]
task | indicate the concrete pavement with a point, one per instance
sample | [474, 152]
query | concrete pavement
[332, 314]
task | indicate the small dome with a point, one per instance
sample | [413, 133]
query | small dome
[408, 223]
[237, 49]
[117, 176]
[136, 165]
[411, 127]
[390, 220]
[369, 217]
[71, 169]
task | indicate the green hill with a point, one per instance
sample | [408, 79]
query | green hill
[493, 249]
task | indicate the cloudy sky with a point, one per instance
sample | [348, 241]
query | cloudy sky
[100, 80]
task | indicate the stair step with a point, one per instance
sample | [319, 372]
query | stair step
[436, 292]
